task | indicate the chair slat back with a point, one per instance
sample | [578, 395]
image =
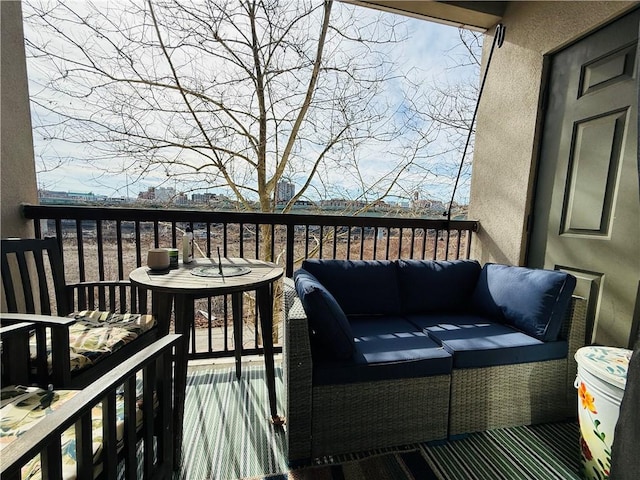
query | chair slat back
[33, 272]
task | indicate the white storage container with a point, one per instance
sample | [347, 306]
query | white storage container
[602, 375]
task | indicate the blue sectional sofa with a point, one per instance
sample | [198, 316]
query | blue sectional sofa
[386, 353]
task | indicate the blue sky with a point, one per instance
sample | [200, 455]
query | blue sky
[430, 50]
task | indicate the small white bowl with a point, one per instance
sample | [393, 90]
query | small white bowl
[158, 259]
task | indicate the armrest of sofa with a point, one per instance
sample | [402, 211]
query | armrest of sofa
[45, 438]
[574, 326]
[298, 375]
[574, 329]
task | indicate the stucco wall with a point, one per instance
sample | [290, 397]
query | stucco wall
[505, 146]
[17, 168]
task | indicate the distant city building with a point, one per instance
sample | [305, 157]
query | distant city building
[165, 194]
[428, 205]
[341, 203]
[204, 198]
[150, 194]
[159, 196]
[59, 197]
[162, 195]
[181, 199]
[285, 191]
[417, 204]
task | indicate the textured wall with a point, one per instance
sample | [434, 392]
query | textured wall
[506, 138]
[17, 168]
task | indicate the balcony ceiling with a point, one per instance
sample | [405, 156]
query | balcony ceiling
[473, 15]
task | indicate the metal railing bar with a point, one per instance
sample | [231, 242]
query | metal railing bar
[100, 245]
[387, 244]
[289, 250]
[224, 238]
[273, 244]
[138, 249]
[413, 241]
[209, 325]
[257, 252]
[335, 241]
[119, 248]
[375, 243]
[80, 254]
[156, 234]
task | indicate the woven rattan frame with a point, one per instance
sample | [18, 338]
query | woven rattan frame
[371, 415]
[333, 419]
[297, 374]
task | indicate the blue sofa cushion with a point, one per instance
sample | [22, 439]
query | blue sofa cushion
[361, 287]
[385, 350]
[532, 300]
[423, 321]
[328, 323]
[436, 286]
[487, 344]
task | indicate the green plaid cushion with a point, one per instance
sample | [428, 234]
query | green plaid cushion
[24, 407]
[96, 334]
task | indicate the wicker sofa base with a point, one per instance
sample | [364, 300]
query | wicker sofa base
[507, 395]
[325, 420]
[369, 415]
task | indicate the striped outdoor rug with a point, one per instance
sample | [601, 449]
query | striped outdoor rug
[228, 436]
[227, 433]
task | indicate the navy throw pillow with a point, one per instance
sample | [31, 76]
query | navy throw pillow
[436, 286]
[532, 300]
[361, 287]
[327, 321]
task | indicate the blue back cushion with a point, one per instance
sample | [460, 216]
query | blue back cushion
[327, 321]
[361, 287]
[532, 300]
[436, 286]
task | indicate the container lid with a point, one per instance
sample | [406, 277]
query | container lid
[607, 363]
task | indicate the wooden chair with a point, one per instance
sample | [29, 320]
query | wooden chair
[128, 409]
[33, 282]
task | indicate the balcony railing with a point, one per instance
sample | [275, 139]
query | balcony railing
[107, 243]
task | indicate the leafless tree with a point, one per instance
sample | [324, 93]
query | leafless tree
[241, 95]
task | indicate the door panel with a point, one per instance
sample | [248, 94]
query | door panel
[593, 174]
[586, 217]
